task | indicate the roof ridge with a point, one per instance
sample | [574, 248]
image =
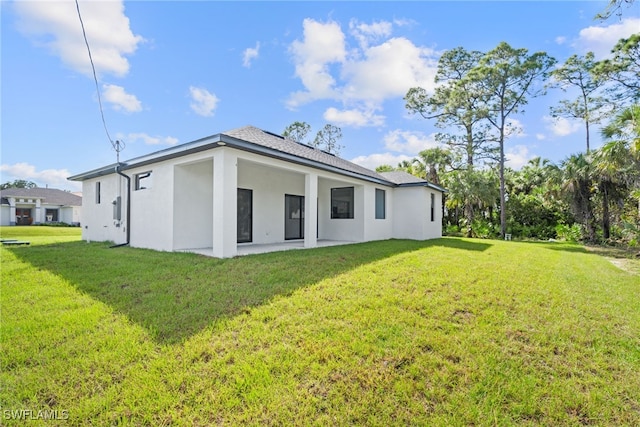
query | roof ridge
[318, 155]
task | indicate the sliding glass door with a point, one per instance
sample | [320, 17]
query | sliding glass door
[293, 217]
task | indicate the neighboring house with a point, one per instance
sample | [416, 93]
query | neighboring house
[33, 206]
[252, 187]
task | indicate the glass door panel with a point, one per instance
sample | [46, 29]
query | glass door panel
[294, 217]
[245, 215]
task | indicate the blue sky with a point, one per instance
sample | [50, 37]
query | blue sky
[172, 72]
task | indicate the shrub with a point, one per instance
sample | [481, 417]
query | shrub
[483, 229]
[570, 233]
[452, 230]
[58, 224]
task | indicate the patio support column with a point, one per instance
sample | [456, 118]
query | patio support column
[311, 210]
[12, 211]
[38, 216]
[225, 203]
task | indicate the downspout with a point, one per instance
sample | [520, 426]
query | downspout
[128, 178]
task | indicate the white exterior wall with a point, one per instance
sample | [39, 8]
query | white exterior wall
[433, 229]
[76, 215]
[192, 203]
[99, 224]
[345, 229]
[152, 208]
[269, 187]
[271, 179]
[377, 229]
[65, 214]
[412, 213]
[5, 215]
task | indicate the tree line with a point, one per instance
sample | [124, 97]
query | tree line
[591, 196]
[18, 183]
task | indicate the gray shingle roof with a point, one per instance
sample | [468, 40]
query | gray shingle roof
[402, 177]
[50, 196]
[406, 179]
[277, 142]
[251, 138]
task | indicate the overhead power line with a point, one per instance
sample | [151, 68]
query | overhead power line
[117, 145]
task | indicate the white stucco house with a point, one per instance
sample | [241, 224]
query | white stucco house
[33, 206]
[220, 194]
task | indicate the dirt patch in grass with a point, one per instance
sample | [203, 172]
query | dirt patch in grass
[627, 259]
[628, 265]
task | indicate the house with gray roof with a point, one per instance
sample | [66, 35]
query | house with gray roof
[33, 206]
[246, 188]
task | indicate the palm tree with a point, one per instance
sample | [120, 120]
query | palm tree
[433, 163]
[409, 166]
[609, 180]
[619, 158]
[576, 185]
[624, 129]
[532, 176]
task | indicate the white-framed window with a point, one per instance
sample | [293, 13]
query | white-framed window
[433, 207]
[342, 205]
[143, 180]
[380, 204]
[51, 215]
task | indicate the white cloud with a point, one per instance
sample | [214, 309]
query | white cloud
[540, 136]
[250, 54]
[203, 102]
[408, 142]
[54, 178]
[372, 161]
[322, 45]
[401, 145]
[404, 22]
[517, 156]
[355, 118]
[55, 26]
[601, 39]
[514, 128]
[561, 126]
[561, 40]
[368, 33]
[388, 70]
[121, 100]
[151, 140]
[368, 74]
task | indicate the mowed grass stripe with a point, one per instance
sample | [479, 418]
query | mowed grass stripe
[448, 332]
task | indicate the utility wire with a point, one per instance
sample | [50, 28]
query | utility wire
[118, 145]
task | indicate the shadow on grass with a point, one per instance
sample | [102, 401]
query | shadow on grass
[565, 247]
[175, 295]
[606, 251]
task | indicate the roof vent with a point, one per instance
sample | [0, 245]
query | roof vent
[273, 134]
[304, 144]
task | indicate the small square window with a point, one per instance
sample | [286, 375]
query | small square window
[143, 180]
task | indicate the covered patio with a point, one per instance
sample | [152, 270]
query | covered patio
[262, 248]
[239, 203]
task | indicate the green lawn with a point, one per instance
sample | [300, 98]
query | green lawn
[445, 332]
